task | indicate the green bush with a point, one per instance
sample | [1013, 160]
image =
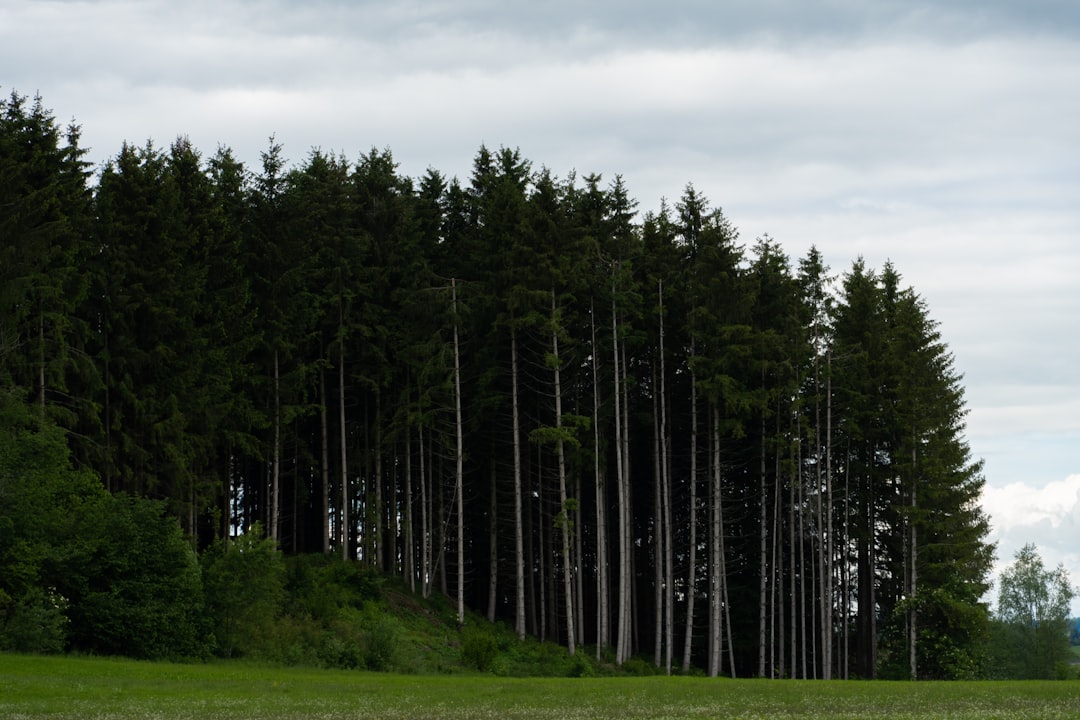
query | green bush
[36, 624]
[478, 648]
[244, 581]
[133, 583]
[581, 665]
[380, 634]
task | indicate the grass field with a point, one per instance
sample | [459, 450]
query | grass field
[59, 687]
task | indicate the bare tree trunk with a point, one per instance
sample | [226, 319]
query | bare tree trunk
[721, 608]
[444, 519]
[542, 544]
[658, 532]
[409, 551]
[776, 616]
[379, 537]
[564, 511]
[519, 551]
[346, 495]
[716, 558]
[603, 620]
[792, 566]
[41, 360]
[622, 653]
[631, 641]
[845, 568]
[691, 579]
[830, 547]
[276, 470]
[425, 521]
[493, 548]
[762, 556]
[579, 574]
[800, 500]
[459, 471]
[325, 457]
[913, 615]
[667, 554]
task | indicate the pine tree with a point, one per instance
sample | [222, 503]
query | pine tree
[44, 240]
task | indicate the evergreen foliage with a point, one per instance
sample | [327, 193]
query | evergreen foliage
[334, 359]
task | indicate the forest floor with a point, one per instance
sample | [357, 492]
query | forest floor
[62, 687]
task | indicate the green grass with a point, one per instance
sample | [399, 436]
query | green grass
[74, 687]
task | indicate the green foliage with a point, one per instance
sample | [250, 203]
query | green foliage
[199, 329]
[1030, 638]
[36, 624]
[244, 581]
[133, 583]
[83, 569]
[478, 648]
[951, 638]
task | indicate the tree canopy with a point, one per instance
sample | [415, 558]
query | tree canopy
[579, 417]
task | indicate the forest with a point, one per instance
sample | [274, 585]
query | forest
[625, 431]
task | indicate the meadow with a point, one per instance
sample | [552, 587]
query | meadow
[81, 687]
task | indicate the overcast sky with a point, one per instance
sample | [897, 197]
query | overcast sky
[944, 136]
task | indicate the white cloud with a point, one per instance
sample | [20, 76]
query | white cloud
[1018, 504]
[1047, 515]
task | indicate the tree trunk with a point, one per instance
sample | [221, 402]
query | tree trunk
[691, 575]
[763, 562]
[579, 574]
[914, 559]
[379, 536]
[41, 360]
[324, 443]
[425, 520]
[276, 460]
[459, 471]
[665, 470]
[715, 551]
[631, 641]
[829, 545]
[519, 551]
[603, 619]
[409, 551]
[571, 636]
[346, 495]
[493, 548]
[622, 653]
[657, 532]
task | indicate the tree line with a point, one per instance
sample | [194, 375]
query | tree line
[615, 429]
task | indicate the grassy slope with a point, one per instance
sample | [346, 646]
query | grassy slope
[72, 687]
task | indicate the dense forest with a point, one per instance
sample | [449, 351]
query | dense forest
[620, 430]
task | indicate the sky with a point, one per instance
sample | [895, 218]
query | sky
[940, 136]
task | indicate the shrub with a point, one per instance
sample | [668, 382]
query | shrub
[380, 634]
[478, 648]
[244, 582]
[37, 624]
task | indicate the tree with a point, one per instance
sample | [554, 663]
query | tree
[82, 569]
[244, 582]
[1033, 606]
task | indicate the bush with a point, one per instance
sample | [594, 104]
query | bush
[133, 582]
[478, 649]
[244, 582]
[37, 624]
[581, 665]
[381, 641]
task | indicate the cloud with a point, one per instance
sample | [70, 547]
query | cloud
[1047, 516]
[1017, 504]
